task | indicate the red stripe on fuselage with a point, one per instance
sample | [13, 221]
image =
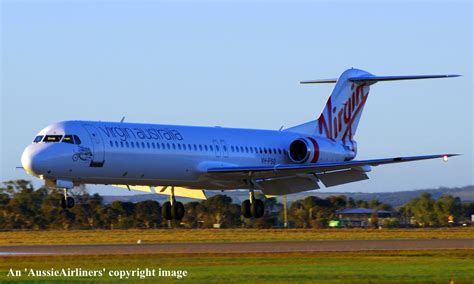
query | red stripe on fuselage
[316, 149]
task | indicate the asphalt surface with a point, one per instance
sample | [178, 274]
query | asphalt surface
[243, 247]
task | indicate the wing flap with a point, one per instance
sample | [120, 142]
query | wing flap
[287, 185]
[342, 177]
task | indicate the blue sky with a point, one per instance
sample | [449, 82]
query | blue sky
[238, 64]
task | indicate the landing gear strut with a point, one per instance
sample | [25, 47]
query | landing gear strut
[67, 201]
[172, 209]
[252, 207]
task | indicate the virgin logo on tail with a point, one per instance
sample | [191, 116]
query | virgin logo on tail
[336, 122]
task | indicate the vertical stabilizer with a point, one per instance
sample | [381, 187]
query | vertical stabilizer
[343, 109]
[341, 115]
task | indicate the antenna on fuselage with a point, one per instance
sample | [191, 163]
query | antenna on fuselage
[123, 118]
[281, 128]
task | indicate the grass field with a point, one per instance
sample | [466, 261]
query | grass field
[224, 235]
[338, 267]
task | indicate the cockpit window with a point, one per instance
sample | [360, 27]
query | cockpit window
[52, 138]
[68, 139]
[77, 140]
[38, 138]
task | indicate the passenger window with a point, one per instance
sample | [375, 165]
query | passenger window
[179, 146]
[205, 147]
[237, 149]
[210, 147]
[111, 144]
[52, 138]
[77, 140]
[195, 147]
[68, 139]
[153, 145]
[261, 151]
[38, 139]
[116, 144]
[217, 148]
[143, 144]
[126, 143]
[148, 145]
[232, 148]
[200, 147]
[174, 146]
[121, 144]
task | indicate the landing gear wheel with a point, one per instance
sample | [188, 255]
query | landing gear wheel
[166, 210]
[257, 208]
[177, 211]
[245, 208]
[63, 203]
[69, 202]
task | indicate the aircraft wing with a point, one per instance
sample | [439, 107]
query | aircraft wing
[289, 178]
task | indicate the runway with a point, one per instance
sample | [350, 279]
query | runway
[236, 247]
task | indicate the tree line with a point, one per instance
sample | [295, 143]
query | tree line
[24, 207]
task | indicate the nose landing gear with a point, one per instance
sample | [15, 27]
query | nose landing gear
[172, 210]
[67, 201]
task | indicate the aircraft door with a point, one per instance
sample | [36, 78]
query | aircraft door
[98, 148]
[217, 149]
[225, 151]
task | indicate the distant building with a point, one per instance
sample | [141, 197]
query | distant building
[358, 217]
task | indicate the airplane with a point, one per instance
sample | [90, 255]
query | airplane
[187, 161]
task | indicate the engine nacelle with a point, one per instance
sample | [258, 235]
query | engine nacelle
[318, 149]
[303, 150]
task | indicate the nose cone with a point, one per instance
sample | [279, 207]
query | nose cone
[32, 160]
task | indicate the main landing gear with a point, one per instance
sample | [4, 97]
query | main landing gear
[252, 207]
[67, 201]
[172, 210]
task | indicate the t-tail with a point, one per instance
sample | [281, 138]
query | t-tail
[344, 107]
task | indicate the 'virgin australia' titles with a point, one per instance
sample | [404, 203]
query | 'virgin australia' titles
[151, 133]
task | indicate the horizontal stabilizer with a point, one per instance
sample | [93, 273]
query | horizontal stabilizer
[374, 79]
[320, 81]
